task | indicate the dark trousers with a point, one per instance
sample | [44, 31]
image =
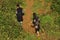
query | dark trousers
[37, 29]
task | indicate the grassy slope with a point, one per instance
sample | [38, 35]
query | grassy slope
[10, 28]
[49, 21]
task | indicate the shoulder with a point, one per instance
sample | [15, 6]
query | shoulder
[19, 8]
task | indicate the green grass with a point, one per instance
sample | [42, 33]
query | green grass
[10, 29]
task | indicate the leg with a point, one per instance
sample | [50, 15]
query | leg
[38, 32]
[21, 19]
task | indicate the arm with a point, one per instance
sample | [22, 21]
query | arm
[39, 20]
[16, 12]
[23, 11]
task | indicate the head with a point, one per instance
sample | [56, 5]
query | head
[18, 5]
[34, 14]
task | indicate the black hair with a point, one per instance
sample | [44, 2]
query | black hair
[17, 5]
[34, 14]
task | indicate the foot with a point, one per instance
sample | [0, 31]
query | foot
[38, 34]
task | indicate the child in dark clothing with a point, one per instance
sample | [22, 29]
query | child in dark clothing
[36, 23]
[19, 13]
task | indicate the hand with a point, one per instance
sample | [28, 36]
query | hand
[16, 12]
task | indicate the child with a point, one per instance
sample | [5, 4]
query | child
[37, 26]
[36, 23]
[19, 14]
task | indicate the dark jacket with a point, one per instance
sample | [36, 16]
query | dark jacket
[20, 11]
[19, 14]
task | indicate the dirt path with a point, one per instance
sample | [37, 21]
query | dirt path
[27, 17]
